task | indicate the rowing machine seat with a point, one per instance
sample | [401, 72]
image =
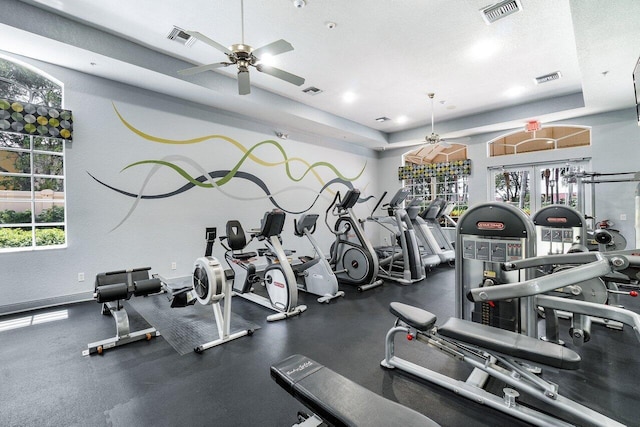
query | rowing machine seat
[338, 400]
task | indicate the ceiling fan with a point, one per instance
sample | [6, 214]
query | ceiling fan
[434, 138]
[244, 56]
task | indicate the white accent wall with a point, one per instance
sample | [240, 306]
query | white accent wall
[160, 232]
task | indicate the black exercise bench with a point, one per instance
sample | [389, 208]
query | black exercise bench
[339, 401]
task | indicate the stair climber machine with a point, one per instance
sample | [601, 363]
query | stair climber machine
[270, 268]
[488, 235]
[314, 274]
[432, 233]
[352, 257]
[400, 261]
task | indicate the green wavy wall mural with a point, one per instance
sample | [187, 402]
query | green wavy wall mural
[217, 179]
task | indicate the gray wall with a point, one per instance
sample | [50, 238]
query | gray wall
[159, 232]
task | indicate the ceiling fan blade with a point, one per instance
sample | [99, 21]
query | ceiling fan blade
[273, 49]
[244, 83]
[281, 74]
[201, 68]
[210, 42]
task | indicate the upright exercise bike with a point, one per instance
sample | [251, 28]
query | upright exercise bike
[353, 259]
[276, 276]
[315, 274]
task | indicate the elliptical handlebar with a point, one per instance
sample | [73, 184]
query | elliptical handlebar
[375, 208]
[340, 206]
[307, 222]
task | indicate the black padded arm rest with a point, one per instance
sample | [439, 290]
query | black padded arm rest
[338, 400]
[416, 317]
[510, 343]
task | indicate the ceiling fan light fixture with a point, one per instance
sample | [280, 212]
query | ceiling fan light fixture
[244, 56]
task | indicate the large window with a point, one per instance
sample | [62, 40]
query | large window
[532, 187]
[439, 171]
[32, 178]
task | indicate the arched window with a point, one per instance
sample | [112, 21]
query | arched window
[547, 138]
[32, 178]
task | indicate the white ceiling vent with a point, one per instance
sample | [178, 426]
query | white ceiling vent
[548, 77]
[179, 35]
[492, 13]
[312, 90]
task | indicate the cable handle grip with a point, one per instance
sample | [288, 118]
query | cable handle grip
[540, 285]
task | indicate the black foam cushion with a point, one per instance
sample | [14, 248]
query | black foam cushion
[510, 343]
[416, 317]
[338, 400]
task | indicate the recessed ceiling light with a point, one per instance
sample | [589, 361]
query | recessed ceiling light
[349, 97]
[483, 49]
[402, 119]
[515, 91]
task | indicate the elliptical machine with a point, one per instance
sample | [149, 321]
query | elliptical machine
[277, 276]
[401, 261]
[353, 259]
[316, 275]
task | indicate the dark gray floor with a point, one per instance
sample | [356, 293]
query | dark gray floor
[45, 380]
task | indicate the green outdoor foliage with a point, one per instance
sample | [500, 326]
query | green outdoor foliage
[28, 86]
[21, 238]
[13, 217]
[54, 214]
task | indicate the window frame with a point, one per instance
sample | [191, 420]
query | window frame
[35, 199]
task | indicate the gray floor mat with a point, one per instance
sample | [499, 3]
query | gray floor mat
[186, 327]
